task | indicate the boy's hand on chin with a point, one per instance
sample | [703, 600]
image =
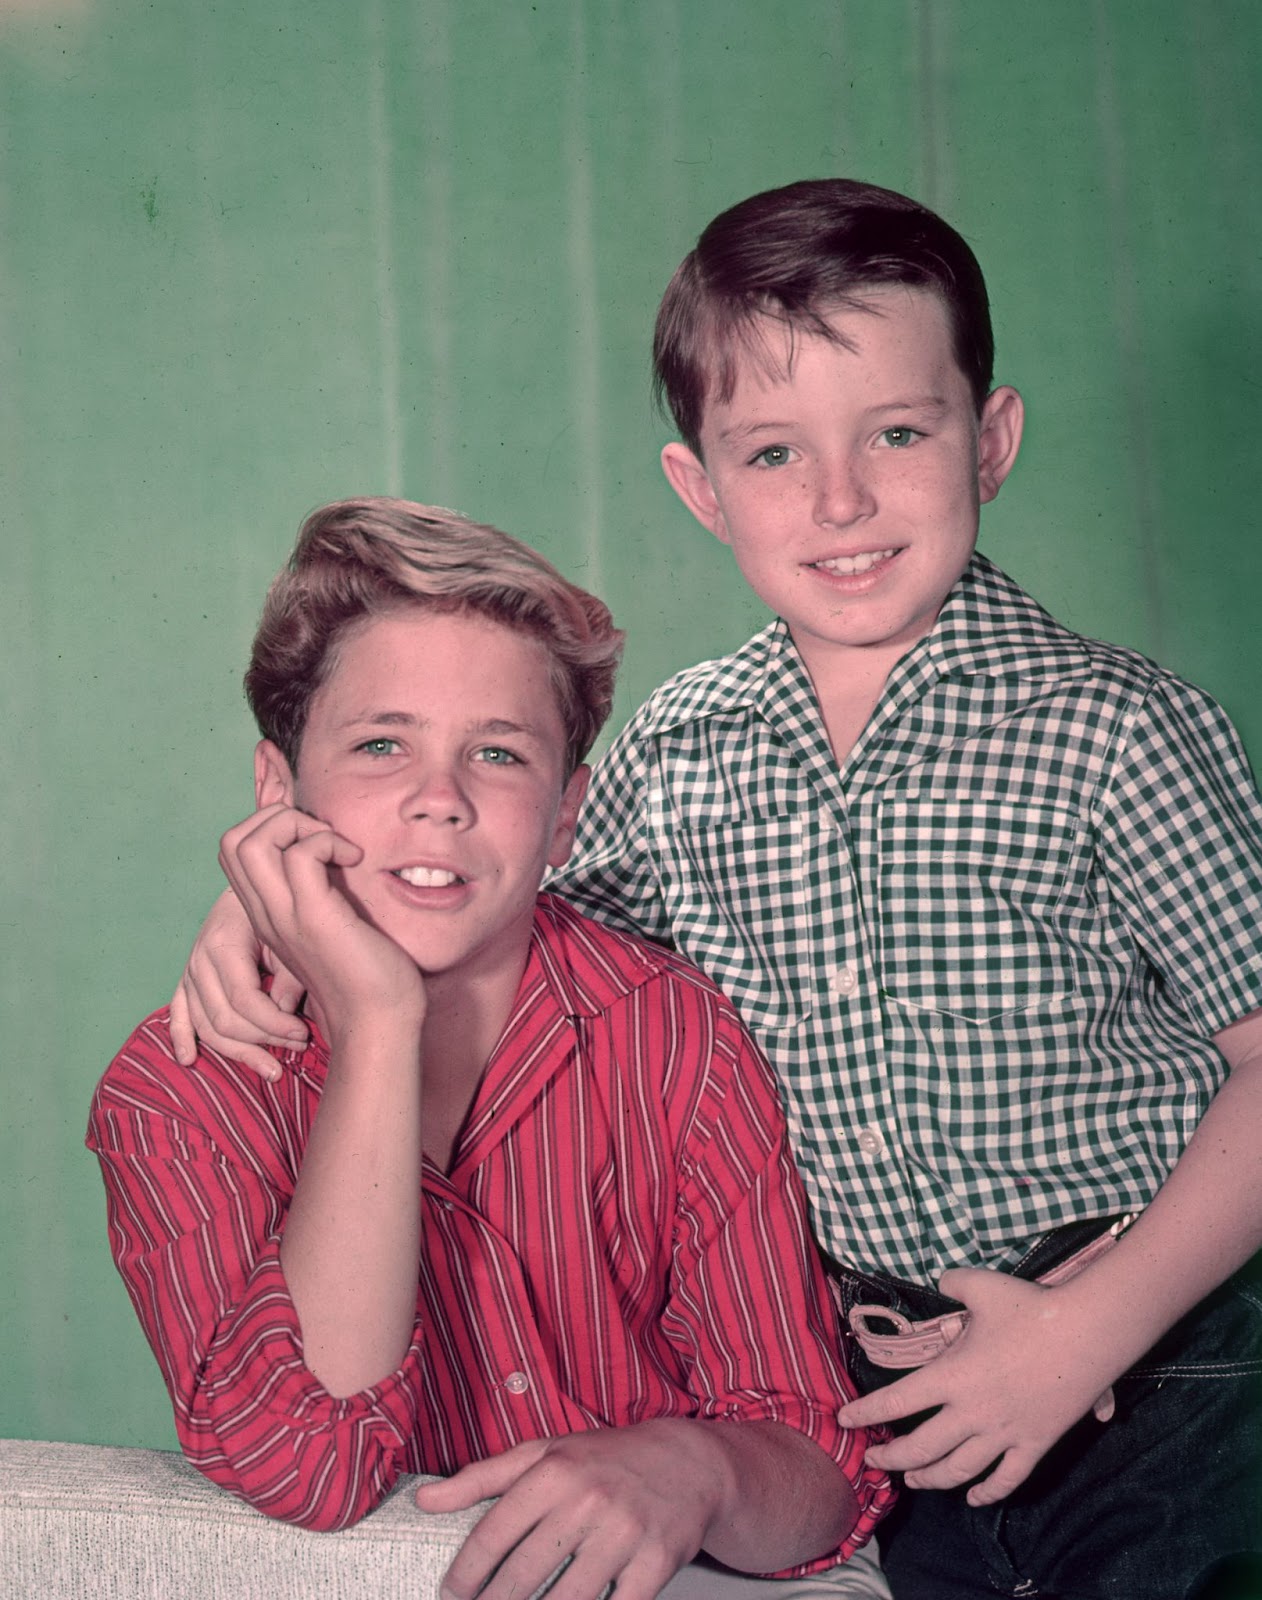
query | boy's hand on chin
[624, 1506]
[1031, 1362]
[278, 862]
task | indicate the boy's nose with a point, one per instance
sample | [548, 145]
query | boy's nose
[438, 796]
[842, 493]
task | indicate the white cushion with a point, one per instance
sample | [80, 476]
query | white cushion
[94, 1522]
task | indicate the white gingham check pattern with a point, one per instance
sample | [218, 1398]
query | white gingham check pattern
[985, 955]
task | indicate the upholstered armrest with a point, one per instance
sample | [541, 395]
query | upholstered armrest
[91, 1522]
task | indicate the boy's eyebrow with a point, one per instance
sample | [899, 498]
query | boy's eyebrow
[408, 719]
[934, 403]
[931, 404]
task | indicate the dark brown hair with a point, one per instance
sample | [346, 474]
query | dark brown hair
[794, 254]
[359, 559]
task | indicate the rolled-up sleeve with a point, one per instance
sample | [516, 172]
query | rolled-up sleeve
[195, 1232]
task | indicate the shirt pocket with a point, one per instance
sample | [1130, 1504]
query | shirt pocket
[736, 892]
[970, 901]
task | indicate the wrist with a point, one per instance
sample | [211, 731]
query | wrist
[1103, 1330]
[367, 1032]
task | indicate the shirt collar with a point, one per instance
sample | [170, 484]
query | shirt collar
[988, 627]
[585, 967]
[575, 969]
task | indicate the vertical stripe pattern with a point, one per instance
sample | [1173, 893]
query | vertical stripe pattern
[621, 1237]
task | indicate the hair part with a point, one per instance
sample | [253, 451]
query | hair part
[355, 560]
[794, 255]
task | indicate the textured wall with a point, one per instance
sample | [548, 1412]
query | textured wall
[258, 253]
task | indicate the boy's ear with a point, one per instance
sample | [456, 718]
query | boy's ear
[567, 817]
[998, 439]
[686, 473]
[273, 780]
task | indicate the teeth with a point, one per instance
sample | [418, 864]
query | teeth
[427, 877]
[850, 565]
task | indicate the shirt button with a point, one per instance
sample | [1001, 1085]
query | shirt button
[845, 980]
[517, 1383]
[870, 1141]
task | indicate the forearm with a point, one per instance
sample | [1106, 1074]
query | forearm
[216, 1310]
[782, 1500]
[1203, 1224]
[352, 1237]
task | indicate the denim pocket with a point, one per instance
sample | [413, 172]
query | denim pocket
[1221, 1337]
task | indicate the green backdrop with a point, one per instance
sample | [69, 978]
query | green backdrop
[255, 254]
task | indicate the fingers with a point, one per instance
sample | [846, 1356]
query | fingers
[183, 1034]
[219, 1000]
[924, 1448]
[275, 855]
[287, 990]
[278, 862]
[520, 1545]
[480, 1480]
[944, 1453]
[905, 1398]
[228, 1008]
[972, 1285]
[1012, 1471]
[563, 1520]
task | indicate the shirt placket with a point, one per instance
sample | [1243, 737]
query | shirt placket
[845, 1105]
[489, 1283]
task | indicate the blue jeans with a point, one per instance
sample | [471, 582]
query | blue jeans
[1163, 1502]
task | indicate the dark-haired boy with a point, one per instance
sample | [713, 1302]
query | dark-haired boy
[620, 1328]
[987, 894]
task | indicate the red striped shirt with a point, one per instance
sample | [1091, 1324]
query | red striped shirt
[621, 1237]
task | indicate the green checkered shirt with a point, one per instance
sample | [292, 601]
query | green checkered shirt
[986, 953]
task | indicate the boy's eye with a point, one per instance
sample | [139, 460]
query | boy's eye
[495, 755]
[379, 747]
[775, 455]
[900, 438]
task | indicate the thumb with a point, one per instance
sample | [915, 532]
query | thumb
[965, 1284]
[480, 1480]
[287, 990]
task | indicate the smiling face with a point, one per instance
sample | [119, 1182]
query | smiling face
[437, 745]
[847, 479]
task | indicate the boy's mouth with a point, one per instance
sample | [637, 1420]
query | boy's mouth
[428, 877]
[852, 566]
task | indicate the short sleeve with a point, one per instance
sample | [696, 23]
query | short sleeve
[611, 873]
[1180, 826]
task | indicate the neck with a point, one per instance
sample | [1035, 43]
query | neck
[465, 1015]
[848, 682]
[463, 1023]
